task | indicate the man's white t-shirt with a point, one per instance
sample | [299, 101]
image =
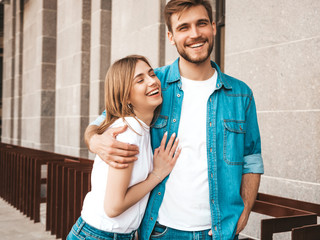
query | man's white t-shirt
[186, 204]
[93, 207]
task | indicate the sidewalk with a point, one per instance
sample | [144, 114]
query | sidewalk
[16, 226]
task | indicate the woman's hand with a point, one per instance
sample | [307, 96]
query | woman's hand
[165, 157]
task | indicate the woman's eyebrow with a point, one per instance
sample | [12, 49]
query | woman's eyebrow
[138, 75]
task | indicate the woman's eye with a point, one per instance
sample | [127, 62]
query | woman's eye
[140, 81]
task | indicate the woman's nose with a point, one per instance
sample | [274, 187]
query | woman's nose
[151, 81]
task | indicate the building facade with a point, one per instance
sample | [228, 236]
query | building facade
[56, 54]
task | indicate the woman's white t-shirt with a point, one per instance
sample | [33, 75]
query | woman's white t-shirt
[93, 207]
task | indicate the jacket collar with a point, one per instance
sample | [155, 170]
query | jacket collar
[174, 75]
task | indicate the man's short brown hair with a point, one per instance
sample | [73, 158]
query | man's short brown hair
[179, 6]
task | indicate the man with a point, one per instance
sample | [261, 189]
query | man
[216, 178]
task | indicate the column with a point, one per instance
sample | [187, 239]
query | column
[72, 76]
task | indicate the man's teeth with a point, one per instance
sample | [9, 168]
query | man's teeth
[196, 45]
[153, 92]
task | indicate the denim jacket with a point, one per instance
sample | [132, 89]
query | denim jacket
[233, 147]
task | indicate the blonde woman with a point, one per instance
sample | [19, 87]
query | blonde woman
[115, 206]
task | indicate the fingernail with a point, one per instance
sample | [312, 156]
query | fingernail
[166, 133]
[174, 134]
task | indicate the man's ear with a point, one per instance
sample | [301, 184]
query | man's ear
[214, 28]
[170, 37]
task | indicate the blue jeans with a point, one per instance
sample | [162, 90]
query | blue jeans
[161, 232]
[82, 230]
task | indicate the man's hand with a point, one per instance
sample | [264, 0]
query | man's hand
[116, 154]
[249, 189]
[242, 222]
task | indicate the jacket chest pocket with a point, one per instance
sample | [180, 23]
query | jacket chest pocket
[158, 129]
[233, 141]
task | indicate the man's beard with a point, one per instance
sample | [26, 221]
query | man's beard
[199, 60]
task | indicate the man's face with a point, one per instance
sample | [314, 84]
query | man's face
[193, 34]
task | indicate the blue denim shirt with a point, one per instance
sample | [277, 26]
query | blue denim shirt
[233, 147]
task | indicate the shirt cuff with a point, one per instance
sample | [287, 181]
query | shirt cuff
[253, 164]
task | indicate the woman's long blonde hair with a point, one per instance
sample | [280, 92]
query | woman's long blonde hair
[117, 86]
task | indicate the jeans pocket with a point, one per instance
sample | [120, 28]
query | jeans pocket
[159, 230]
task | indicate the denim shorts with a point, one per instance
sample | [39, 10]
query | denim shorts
[82, 230]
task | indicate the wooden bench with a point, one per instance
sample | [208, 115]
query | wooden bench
[68, 183]
[288, 215]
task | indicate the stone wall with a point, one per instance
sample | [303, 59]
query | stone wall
[274, 46]
[72, 75]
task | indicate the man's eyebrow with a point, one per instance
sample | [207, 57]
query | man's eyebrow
[182, 25]
[199, 20]
[203, 20]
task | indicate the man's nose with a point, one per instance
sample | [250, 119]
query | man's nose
[194, 32]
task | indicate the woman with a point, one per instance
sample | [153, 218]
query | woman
[114, 208]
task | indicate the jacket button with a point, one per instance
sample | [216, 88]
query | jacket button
[174, 120]
[178, 95]
[151, 218]
[210, 149]
[212, 201]
[210, 124]
[211, 175]
[215, 228]
[159, 193]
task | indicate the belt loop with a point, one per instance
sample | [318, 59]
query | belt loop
[81, 225]
[133, 234]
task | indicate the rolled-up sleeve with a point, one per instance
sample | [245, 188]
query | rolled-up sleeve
[253, 162]
[99, 119]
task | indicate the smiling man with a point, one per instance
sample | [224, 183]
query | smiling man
[211, 190]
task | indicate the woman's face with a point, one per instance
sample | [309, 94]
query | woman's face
[145, 94]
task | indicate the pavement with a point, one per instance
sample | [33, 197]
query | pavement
[16, 226]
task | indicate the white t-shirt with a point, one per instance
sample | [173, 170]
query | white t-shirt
[185, 204]
[93, 207]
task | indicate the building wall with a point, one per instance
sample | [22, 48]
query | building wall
[7, 77]
[274, 46]
[57, 52]
[72, 75]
